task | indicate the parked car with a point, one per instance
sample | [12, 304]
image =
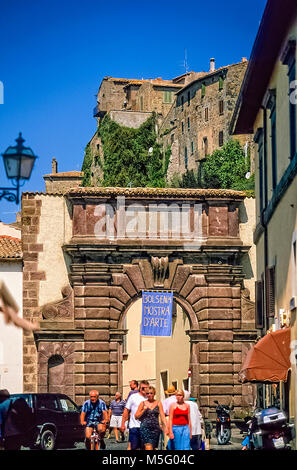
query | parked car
[57, 421]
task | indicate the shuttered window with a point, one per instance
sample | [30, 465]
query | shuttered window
[270, 291]
[259, 305]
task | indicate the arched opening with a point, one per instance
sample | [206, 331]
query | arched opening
[160, 360]
[55, 375]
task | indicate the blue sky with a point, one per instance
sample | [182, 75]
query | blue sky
[54, 54]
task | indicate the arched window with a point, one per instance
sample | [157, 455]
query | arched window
[55, 375]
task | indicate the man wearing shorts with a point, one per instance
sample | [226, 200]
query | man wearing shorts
[134, 424]
[116, 410]
[94, 415]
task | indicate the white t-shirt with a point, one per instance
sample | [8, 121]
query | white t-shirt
[196, 418]
[167, 403]
[132, 405]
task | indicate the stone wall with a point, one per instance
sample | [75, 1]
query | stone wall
[197, 121]
[132, 119]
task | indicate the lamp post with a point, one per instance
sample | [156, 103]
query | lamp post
[18, 164]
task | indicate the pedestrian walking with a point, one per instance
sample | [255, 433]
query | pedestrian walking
[171, 398]
[180, 432]
[196, 422]
[149, 412]
[134, 424]
[115, 411]
[133, 388]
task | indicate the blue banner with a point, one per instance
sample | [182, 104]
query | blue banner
[156, 313]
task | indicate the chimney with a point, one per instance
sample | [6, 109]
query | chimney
[212, 65]
[54, 166]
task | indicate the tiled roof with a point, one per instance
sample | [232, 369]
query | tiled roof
[67, 174]
[153, 81]
[10, 247]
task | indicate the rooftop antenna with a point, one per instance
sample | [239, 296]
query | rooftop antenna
[186, 61]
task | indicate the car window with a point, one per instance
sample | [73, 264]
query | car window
[67, 405]
[27, 397]
[47, 402]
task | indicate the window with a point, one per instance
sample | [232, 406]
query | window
[221, 107]
[221, 138]
[206, 114]
[47, 402]
[192, 147]
[182, 124]
[182, 103]
[273, 150]
[188, 123]
[203, 87]
[167, 97]
[67, 405]
[288, 58]
[186, 157]
[98, 146]
[221, 83]
[205, 146]
[172, 138]
[189, 98]
[259, 140]
[270, 291]
[292, 109]
[141, 103]
[259, 304]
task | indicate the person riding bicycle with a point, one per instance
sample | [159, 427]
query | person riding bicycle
[94, 414]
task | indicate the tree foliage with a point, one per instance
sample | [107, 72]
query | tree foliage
[225, 168]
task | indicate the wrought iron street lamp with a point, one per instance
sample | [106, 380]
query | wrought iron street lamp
[18, 163]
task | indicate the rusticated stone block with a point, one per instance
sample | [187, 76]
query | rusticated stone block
[97, 368]
[97, 357]
[79, 312]
[194, 280]
[220, 368]
[181, 275]
[97, 291]
[200, 305]
[100, 379]
[113, 368]
[116, 304]
[221, 379]
[204, 379]
[221, 390]
[135, 276]
[97, 313]
[113, 379]
[114, 314]
[102, 389]
[221, 346]
[123, 281]
[113, 356]
[120, 294]
[204, 389]
[220, 336]
[98, 302]
[96, 346]
[237, 357]
[217, 324]
[196, 294]
[96, 335]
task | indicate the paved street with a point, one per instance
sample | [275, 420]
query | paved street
[111, 444]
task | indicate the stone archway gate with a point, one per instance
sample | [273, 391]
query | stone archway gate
[125, 240]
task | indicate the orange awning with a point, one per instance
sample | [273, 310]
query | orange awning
[269, 359]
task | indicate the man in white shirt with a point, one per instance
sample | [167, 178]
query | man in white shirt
[196, 422]
[134, 424]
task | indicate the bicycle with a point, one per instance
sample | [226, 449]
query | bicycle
[95, 440]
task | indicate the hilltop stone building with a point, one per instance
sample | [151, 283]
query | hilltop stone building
[193, 112]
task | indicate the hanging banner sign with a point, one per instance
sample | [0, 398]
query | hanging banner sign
[156, 313]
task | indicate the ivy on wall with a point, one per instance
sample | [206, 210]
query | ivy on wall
[86, 167]
[132, 157]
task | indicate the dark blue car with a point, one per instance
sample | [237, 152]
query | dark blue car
[57, 421]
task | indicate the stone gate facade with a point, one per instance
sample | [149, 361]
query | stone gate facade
[97, 246]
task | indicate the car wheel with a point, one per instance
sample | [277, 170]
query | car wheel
[47, 440]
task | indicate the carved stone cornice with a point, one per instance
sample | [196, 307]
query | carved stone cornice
[117, 334]
[196, 336]
[60, 308]
[56, 336]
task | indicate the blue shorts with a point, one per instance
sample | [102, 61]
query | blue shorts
[93, 424]
[135, 438]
